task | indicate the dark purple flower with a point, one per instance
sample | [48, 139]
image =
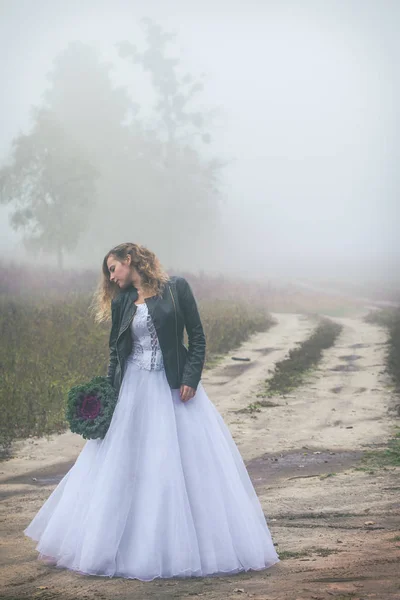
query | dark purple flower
[90, 407]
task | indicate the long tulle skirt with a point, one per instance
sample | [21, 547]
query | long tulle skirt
[164, 494]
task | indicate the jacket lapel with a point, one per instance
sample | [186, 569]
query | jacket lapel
[129, 308]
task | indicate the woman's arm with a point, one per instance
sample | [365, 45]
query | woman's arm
[197, 341]
[113, 343]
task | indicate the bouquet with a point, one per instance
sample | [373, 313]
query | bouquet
[90, 408]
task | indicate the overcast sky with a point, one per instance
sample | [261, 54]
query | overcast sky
[308, 93]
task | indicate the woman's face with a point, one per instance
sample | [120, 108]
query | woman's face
[120, 272]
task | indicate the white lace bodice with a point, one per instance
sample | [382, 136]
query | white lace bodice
[146, 351]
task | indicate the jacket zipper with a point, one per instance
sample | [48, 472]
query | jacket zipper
[119, 335]
[176, 328]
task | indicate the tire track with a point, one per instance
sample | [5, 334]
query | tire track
[344, 404]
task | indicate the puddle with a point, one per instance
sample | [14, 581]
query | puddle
[350, 357]
[337, 389]
[268, 468]
[48, 476]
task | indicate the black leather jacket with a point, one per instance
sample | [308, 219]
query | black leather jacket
[173, 310]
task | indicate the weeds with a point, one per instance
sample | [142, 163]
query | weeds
[390, 318]
[384, 318]
[287, 554]
[48, 345]
[257, 406]
[228, 324]
[292, 371]
[389, 456]
[213, 360]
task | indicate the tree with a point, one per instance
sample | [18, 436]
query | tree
[187, 199]
[155, 186]
[175, 93]
[98, 115]
[51, 186]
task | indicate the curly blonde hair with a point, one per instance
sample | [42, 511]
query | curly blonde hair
[147, 265]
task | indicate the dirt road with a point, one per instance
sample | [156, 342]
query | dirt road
[337, 528]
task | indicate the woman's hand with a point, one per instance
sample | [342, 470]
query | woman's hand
[187, 393]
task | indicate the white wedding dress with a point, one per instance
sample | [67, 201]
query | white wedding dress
[164, 494]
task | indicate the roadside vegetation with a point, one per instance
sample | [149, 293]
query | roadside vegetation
[293, 370]
[49, 342]
[389, 318]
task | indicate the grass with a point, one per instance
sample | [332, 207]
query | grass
[213, 360]
[287, 554]
[48, 342]
[47, 345]
[256, 407]
[385, 318]
[229, 324]
[396, 538]
[327, 475]
[292, 371]
[341, 310]
[390, 318]
[389, 456]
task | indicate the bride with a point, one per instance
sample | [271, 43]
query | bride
[166, 492]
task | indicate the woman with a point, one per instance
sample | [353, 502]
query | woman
[166, 492]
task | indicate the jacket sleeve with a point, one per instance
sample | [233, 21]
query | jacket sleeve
[113, 343]
[197, 341]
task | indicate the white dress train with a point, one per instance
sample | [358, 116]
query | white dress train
[164, 494]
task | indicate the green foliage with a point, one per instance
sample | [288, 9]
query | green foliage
[257, 406]
[51, 186]
[187, 179]
[174, 90]
[228, 324]
[393, 355]
[105, 395]
[290, 372]
[389, 456]
[390, 318]
[287, 554]
[45, 349]
[152, 188]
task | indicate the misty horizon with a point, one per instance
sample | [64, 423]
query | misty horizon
[305, 102]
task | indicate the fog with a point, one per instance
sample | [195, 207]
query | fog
[304, 98]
